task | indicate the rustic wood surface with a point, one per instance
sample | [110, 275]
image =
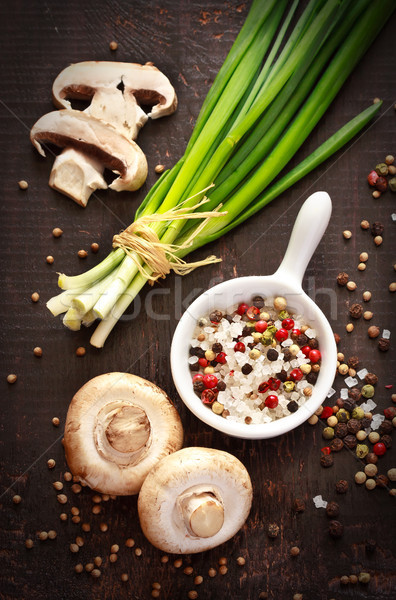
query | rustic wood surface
[188, 40]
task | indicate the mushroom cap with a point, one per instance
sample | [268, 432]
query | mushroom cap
[192, 471]
[76, 129]
[118, 427]
[145, 82]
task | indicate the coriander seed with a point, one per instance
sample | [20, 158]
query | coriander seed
[363, 257]
[29, 543]
[378, 240]
[52, 534]
[79, 568]
[96, 573]
[364, 577]
[351, 286]
[50, 260]
[130, 543]
[37, 351]
[57, 485]
[35, 297]
[57, 232]
[223, 569]
[199, 579]
[63, 517]
[241, 561]
[362, 266]
[51, 463]
[23, 185]
[16, 499]
[62, 498]
[212, 572]
[138, 551]
[80, 351]
[82, 254]
[365, 224]
[360, 477]
[392, 286]
[74, 548]
[113, 45]
[124, 577]
[349, 327]
[86, 527]
[55, 421]
[370, 484]
[367, 315]
[371, 470]
[11, 378]
[67, 476]
[94, 247]
[347, 234]
[366, 296]
[294, 551]
[159, 169]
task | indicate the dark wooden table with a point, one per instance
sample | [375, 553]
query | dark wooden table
[188, 40]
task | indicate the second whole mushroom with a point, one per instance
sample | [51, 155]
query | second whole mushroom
[114, 91]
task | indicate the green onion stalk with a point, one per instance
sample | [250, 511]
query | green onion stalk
[262, 106]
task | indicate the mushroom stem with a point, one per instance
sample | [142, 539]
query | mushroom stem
[203, 514]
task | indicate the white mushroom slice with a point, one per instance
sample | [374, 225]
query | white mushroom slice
[118, 427]
[75, 129]
[194, 500]
[77, 175]
[145, 82]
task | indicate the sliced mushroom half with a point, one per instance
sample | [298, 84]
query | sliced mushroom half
[118, 427]
[145, 82]
[75, 129]
[194, 500]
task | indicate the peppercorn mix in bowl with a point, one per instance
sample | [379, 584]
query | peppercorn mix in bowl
[273, 412]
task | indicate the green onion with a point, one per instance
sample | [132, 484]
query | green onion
[258, 113]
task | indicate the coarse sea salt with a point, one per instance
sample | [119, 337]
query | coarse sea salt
[386, 334]
[362, 373]
[331, 392]
[376, 421]
[350, 381]
[393, 216]
[368, 406]
[344, 393]
[319, 502]
[311, 333]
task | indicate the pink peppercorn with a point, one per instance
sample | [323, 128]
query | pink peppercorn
[242, 308]
[239, 347]
[379, 449]
[202, 362]
[221, 358]
[253, 313]
[372, 178]
[197, 377]
[326, 412]
[210, 380]
[306, 350]
[296, 375]
[261, 326]
[314, 356]
[271, 401]
[288, 324]
[281, 335]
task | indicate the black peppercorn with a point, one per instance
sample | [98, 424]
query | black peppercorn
[353, 362]
[287, 355]
[385, 427]
[340, 402]
[312, 377]
[342, 278]
[302, 339]
[246, 331]
[341, 430]
[336, 529]
[194, 367]
[382, 481]
[341, 486]
[371, 379]
[371, 458]
[272, 354]
[353, 426]
[221, 386]
[370, 546]
[365, 422]
[246, 369]
[258, 302]
[377, 228]
[326, 461]
[217, 347]
[229, 318]
[350, 441]
[273, 530]
[336, 445]
[282, 376]
[386, 440]
[349, 404]
[197, 351]
[298, 505]
[356, 311]
[383, 344]
[216, 316]
[355, 394]
[313, 343]
[199, 387]
[292, 406]
[381, 184]
[332, 510]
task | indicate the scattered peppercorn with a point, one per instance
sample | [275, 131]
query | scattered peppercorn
[341, 486]
[383, 344]
[342, 278]
[356, 311]
[332, 509]
[326, 461]
[273, 530]
[336, 529]
[298, 505]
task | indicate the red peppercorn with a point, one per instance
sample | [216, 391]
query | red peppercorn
[261, 326]
[253, 313]
[372, 178]
[274, 384]
[326, 450]
[239, 347]
[281, 335]
[209, 396]
[210, 380]
[295, 333]
[221, 358]
[271, 401]
[263, 387]
[296, 375]
[390, 412]
[381, 184]
[314, 356]
[379, 449]
[306, 350]
[197, 377]
[326, 412]
[288, 324]
[202, 362]
[242, 308]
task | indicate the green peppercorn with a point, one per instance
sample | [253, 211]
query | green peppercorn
[271, 329]
[342, 415]
[368, 391]
[362, 450]
[392, 184]
[328, 433]
[283, 315]
[289, 386]
[382, 169]
[357, 413]
[266, 338]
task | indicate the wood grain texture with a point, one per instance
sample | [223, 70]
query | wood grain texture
[188, 40]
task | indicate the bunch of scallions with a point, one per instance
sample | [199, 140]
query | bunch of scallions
[271, 91]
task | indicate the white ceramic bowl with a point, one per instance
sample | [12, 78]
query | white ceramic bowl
[308, 230]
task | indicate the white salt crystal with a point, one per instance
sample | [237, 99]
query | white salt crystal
[294, 363]
[393, 216]
[344, 393]
[237, 318]
[294, 396]
[386, 334]
[350, 381]
[331, 392]
[208, 329]
[362, 373]
[311, 333]
[287, 343]
[368, 406]
[193, 359]
[319, 502]
[376, 423]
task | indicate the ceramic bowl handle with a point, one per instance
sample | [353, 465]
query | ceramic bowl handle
[308, 230]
